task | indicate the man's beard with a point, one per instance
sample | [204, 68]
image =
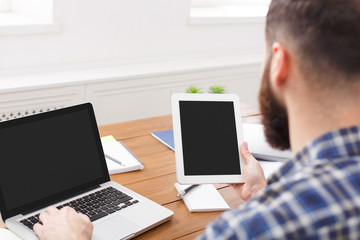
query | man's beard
[275, 119]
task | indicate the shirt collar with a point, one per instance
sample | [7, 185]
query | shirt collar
[335, 144]
[339, 143]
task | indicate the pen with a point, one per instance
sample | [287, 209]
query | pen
[185, 191]
[114, 159]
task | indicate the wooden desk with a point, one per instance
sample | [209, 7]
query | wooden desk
[156, 180]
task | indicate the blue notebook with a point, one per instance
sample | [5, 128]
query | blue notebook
[165, 137]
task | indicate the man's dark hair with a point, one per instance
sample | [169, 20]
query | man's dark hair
[324, 33]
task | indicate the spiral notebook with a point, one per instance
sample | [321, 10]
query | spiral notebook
[204, 198]
[122, 159]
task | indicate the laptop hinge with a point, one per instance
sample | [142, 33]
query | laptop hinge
[62, 199]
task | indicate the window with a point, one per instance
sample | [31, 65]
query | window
[27, 17]
[4, 5]
[227, 11]
[211, 3]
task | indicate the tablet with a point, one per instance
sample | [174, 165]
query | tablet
[207, 137]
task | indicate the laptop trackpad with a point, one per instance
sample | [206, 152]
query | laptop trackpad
[114, 228]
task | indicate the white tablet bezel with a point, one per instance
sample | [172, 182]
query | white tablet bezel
[200, 179]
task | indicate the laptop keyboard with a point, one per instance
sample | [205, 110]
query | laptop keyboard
[95, 205]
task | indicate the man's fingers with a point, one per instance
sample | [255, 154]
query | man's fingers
[85, 218]
[245, 152]
[43, 216]
[68, 210]
[72, 213]
[38, 229]
[51, 210]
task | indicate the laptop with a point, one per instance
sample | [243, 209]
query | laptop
[56, 158]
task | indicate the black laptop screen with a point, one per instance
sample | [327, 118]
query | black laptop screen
[50, 155]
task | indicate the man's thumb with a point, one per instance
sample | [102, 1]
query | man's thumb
[244, 149]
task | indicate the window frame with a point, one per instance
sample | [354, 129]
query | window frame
[21, 17]
[205, 12]
[4, 5]
[215, 3]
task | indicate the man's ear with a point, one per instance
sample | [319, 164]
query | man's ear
[279, 66]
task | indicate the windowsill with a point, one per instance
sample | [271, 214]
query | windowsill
[69, 76]
[15, 24]
[227, 14]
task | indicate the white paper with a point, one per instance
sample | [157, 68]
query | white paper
[254, 135]
[8, 235]
[118, 151]
[270, 167]
[204, 198]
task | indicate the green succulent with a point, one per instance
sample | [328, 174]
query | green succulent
[193, 89]
[217, 89]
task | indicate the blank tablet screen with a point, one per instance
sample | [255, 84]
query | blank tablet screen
[209, 139]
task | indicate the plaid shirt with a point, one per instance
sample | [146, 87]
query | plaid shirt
[314, 196]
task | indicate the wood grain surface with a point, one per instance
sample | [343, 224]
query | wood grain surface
[156, 180]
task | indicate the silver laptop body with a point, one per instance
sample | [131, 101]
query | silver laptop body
[84, 179]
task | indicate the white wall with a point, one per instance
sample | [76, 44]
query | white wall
[126, 30]
[109, 32]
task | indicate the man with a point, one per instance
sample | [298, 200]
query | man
[310, 100]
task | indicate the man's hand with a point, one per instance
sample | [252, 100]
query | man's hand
[253, 175]
[64, 224]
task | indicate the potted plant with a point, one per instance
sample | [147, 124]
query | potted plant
[215, 89]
